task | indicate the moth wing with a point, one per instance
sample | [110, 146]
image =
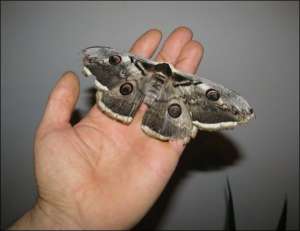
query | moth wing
[115, 72]
[159, 123]
[212, 106]
[119, 106]
[111, 67]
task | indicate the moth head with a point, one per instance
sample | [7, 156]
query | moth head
[226, 103]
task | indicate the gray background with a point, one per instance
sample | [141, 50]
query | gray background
[252, 47]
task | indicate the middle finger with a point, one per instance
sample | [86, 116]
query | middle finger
[173, 45]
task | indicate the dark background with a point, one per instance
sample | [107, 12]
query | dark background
[252, 47]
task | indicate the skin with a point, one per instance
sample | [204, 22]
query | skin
[99, 173]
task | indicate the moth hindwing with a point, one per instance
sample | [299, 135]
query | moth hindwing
[178, 103]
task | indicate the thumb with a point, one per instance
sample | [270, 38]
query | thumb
[61, 103]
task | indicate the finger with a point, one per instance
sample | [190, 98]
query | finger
[173, 45]
[147, 43]
[178, 146]
[190, 57]
[138, 117]
[61, 102]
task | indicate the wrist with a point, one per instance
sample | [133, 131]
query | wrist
[43, 216]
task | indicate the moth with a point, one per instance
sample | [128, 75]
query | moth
[179, 104]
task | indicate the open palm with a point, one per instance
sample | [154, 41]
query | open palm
[101, 173]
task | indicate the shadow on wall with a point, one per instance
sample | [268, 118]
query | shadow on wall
[207, 152]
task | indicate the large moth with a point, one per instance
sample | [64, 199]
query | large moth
[178, 103]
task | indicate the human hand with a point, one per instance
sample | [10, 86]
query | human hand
[99, 173]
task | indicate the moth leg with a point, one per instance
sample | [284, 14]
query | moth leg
[118, 106]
